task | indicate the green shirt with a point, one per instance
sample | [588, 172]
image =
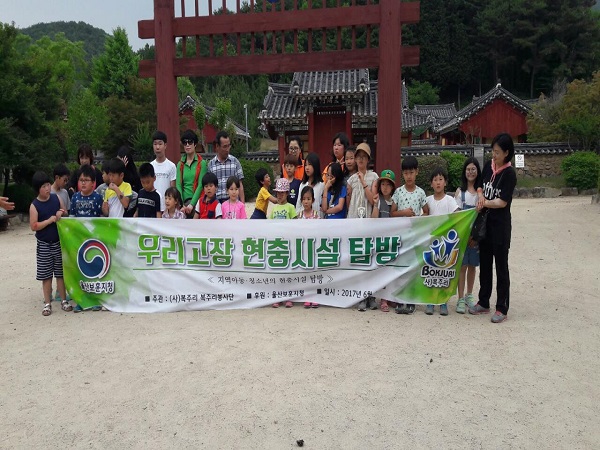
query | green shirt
[185, 184]
[285, 211]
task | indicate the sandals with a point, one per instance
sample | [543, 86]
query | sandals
[384, 307]
[66, 306]
[47, 309]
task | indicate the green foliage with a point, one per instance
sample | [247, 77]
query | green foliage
[88, 122]
[581, 170]
[200, 118]
[113, 68]
[185, 88]
[426, 166]
[22, 195]
[455, 164]
[556, 182]
[141, 142]
[422, 93]
[251, 187]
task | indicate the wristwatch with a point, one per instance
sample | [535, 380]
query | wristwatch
[120, 196]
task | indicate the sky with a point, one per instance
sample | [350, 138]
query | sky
[104, 14]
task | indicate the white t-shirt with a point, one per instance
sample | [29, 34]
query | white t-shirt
[446, 205]
[470, 199]
[165, 173]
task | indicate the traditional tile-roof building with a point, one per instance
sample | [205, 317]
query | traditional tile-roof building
[186, 109]
[317, 105]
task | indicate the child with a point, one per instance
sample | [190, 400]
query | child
[149, 199]
[264, 196]
[440, 203]
[349, 163]
[105, 180]
[333, 203]
[289, 167]
[312, 178]
[208, 207]
[383, 206]
[61, 179]
[307, 197]
[45, 210]
[118, 194]
[87, 202]
[173, 204]
[233, 208]
[466, 196]
[164, 169]
[361, 185]
[282, 210]
[85, 156]
[410, 201]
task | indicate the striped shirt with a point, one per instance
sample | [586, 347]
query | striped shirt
[223, 170]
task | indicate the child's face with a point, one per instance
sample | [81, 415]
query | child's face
[105, 177]
[83, 160]
[44, 192]
[170, 202]
[282, 197]
[350, 161]
[361, 160]
[267, 181]
[210, 190]
[148, 183]
[61, 182]
[309, 170]
[234, 192]
[386, 188]
[159, 148]
[471, 172]
[87, 184]
[338, 149]
[410, 176]
[330, 176]
[290, 169]
[438, 184]
[307, 200]
[116, 178]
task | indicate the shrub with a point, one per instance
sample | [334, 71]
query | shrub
[426, 166]
[22, 195]
[581, 170]
[455, 164]
[251, 187]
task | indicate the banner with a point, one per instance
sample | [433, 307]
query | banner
[154, 265]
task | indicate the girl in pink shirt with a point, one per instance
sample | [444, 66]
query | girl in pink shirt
[233, 208]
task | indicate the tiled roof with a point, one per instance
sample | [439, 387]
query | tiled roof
[282, 106]
[190, 103]
[478, 103]
[433, 150]
[332, 83]
[534, 148]
[445, 111]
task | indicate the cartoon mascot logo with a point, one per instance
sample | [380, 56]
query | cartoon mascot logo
[443, 252]
[93, 259]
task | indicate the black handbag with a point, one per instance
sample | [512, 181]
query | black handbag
[479, 226]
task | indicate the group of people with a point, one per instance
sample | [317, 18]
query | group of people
[346, 188]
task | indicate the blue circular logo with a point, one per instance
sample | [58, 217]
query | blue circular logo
[93, 259]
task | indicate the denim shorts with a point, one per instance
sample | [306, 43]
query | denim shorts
[471, 257]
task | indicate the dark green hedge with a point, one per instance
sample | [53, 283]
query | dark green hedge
[581, 170]
[22, 195]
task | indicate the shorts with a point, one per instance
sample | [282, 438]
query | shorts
[471, 257]
[258, 214]
[49, 260]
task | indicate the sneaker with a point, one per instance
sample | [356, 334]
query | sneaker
[410, 308]
[275, 305]
[400, 308]
[314, 305]
[372, 302]
[362, 306]
[478, 309]
[57, 297]
[498, 317]
[461, 306]
[444, 309]
[429, 310]
[96, 308]
[469, 300]
[77, 309]
[288, 304]
[307, 305]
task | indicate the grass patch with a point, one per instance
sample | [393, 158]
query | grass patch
[530, 182]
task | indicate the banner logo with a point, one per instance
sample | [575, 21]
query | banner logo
[93, 259]
[439, 259]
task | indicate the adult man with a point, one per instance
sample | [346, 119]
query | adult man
[163, 168]
[225, 165]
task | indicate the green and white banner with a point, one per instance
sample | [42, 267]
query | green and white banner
[154, 265]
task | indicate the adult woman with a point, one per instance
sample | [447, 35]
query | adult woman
[340, 144]
[85, 156]
[499, 181]
[295, 149]
[190, 171]
[131, 174]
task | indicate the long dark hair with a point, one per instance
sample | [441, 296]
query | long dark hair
[313, 160]
[131, 173]
[464, 184]
[338, 184]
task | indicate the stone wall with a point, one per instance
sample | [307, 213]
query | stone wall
[541, 166]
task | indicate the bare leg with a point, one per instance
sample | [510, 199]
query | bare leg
[461, 282]
[60, 286]
[47, 290]
[471, 272]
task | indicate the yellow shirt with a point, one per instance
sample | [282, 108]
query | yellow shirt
[262, 201]
[115, 207]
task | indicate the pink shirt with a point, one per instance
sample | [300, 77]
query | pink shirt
[231, 210]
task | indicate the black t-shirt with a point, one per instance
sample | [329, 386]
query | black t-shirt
[148, 203]
[293, 193]
[499, 220]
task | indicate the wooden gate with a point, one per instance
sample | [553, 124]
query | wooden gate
[283, 36]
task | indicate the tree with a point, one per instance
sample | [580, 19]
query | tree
[114, 67]
[422, 93]
[88, 122]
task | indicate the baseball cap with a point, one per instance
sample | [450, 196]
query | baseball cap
[387, 174]
[363, 147]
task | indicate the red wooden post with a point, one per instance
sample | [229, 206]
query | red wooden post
[389, 95]
[166, 81]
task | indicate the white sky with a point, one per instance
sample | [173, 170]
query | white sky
[105, 14]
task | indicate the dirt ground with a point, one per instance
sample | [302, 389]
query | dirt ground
[265, 378]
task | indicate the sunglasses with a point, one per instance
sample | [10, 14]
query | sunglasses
[187, 142]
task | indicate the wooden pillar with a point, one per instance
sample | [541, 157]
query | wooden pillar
[166, 83]
[311, 129]
[389, 95]
[349, 123]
